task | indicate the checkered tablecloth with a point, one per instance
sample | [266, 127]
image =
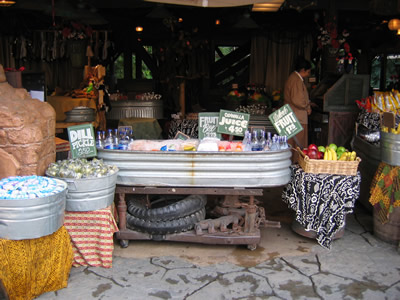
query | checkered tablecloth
[91, 235]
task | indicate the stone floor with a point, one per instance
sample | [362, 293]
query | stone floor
[285, 265]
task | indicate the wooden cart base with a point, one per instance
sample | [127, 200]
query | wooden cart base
[249, 235]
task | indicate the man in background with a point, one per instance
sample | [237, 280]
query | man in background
[296, 95]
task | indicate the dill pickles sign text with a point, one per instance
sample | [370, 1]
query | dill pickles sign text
[82, 141]
[285, 121]
[232, 122]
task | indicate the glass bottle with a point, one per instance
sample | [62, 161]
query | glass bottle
[274, 144]
[99, 140]
[109, 141]
[263, 141]
[255, 142]
[116, 138]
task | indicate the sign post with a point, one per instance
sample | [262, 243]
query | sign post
[208, 125]
[82, 141]
[285, 121]
[232, 122]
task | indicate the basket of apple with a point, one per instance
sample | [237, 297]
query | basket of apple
[329, 159]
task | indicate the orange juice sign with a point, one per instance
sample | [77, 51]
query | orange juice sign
[232, 122]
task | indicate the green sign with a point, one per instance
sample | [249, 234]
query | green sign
[82, 141]
[285, 121]
[232, 122]
[208, 125]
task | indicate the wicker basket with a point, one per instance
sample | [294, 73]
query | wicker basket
[320, 166]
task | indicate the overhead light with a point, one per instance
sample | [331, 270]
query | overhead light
[180, 20]
[217, 22]
[394, 24]
[139, 28]
[270, 6]
[6, 3]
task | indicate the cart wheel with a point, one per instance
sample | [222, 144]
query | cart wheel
[124, 243]
[252, 247]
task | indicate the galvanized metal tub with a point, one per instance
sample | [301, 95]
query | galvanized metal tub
[390, 148]
[89, 194]
[200, 169]
[136, 109]
[22, 219]
[80, 114]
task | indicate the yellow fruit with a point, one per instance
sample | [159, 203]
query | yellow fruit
[326, 155]
[353, 156]
[334, 155]
[343, 157]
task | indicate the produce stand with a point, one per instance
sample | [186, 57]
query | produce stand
[234, 175]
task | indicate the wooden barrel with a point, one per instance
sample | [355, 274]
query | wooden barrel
[390, 231]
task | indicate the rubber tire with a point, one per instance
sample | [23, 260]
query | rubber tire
[165, 227]
[176, 210]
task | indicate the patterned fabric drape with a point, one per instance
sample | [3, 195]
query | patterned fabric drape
[385, 190]
[321, 201]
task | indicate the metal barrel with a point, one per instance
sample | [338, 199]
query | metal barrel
[89, 194]
[390, 148]
[22, 219]
[80, 114]
[136, 109]
[200, 169]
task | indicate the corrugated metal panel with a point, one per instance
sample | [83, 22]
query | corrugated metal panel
[200, 169]
[22, 219]
[136, 109]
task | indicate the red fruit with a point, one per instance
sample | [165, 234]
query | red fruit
[313, 154]
[313, 147]
[305, 151]
[320, 155]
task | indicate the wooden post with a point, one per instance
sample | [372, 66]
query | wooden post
[182, 98]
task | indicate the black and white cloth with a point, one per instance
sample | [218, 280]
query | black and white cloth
[321, 201]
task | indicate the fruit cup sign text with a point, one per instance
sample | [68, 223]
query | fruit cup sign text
[82, 141]
[232, 122]
[208, 125]
[285, 121]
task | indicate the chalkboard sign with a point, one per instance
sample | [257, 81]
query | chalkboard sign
[232, 122]
[82, 141]
[285, 121]
[208, 125]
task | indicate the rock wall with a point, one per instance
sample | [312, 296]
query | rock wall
[27, 132]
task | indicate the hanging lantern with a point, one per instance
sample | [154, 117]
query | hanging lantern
[394, 24]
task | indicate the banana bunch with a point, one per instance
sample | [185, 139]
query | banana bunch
[391, 130]
[330, 154]
[348, 156]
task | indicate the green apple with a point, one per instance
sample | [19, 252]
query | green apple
[341, 149]
[321, 148]
[333, 146]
